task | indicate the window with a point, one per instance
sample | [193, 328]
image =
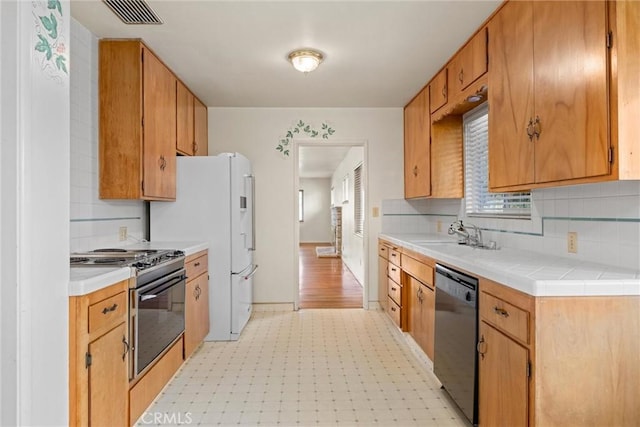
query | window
[345, 189]
[301, 205]
[358, 201]
[478, 200]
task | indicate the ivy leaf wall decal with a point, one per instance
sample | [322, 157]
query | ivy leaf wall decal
[307, 129]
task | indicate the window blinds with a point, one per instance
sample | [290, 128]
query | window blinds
[358, 204]
[478, 200]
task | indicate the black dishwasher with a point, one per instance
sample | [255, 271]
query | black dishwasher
[456, 334]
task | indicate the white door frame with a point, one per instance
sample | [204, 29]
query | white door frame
[296, 226]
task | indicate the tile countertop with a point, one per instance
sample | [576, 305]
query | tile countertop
[534, 273]
[84, 280]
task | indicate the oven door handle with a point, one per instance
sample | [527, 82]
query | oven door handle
[163, 283]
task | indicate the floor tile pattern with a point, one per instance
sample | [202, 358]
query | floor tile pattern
[316, 367]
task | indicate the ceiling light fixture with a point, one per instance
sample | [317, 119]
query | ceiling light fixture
[305, 60]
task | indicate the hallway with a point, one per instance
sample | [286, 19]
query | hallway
[326, 282]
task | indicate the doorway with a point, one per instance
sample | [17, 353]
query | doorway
[331, 231]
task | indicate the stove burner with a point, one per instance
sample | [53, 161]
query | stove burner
[108, 260]
[78, 260]
[109, 250]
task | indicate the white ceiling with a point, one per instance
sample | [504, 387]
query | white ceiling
[233, 53]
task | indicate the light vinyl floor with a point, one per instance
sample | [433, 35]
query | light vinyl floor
[314, 367]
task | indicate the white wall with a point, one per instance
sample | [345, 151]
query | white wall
[316, 227]
[34, 219]
[255, 132]
[353, 251]
[606, 217]
[94, 222]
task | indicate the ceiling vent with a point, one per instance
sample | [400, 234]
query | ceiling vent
[133, 11]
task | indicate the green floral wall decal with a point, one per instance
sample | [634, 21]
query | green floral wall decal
[302, 128]
[49, 23]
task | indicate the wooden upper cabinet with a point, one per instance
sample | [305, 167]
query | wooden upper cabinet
[469, 64]
[201, 129]
[548, 97]
[137, 123]
[184, 120]
[159, 151]
[439, 91]
[417, 165]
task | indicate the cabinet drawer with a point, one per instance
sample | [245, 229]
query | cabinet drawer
[196, 266]
[394, 256]
[394, 290]
[420, 271]
[383, 250]
[109, 311]
[393, 310]
[393, 271]
[511, 319]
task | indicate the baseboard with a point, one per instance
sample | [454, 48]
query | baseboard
[282, 306]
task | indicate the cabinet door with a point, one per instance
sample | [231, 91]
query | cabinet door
[108, 379]
[184, 120]
[196, 313]
[511, 151]
[159, 105]
[383, 265]
[469, 64]
[201, 129]
[438, 91]
[417, 164]
[570, 61]
[414, 312]
[503, 391]
[429, 319]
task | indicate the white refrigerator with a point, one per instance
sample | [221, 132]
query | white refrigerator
[214, 203]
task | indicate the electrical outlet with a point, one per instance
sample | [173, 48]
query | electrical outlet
[572, 242]
[122, 234]
[439, 226]
[375, 212]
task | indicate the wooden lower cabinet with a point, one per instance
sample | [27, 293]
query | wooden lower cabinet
[557, 361]
[421, 314]
[196, 302]
[98, 357]
[503, 382]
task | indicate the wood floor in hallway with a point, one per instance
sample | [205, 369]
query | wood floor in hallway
[326, 282]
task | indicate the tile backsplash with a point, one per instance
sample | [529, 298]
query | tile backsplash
[606, 217]
[94, 222]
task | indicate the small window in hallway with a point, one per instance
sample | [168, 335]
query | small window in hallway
[358, 201]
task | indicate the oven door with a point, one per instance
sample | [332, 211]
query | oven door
[157, 318]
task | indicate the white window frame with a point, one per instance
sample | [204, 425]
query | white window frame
[479, 202]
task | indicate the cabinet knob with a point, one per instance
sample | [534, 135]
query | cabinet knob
[501, 312]
[109, 309]
[530, 129]
[537, 127]
[481, 347]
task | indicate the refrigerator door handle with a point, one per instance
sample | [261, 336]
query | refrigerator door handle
[253, 212]
[253, 271]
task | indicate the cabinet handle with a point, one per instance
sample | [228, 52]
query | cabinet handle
[501, 312]
[195, 147]
[444, 91]
[393, 308]
[461, 76]
[393, 269]
[530, 129]
[162, 162]
[126, 347]
[415, 171]
[109, 309]
[393, 289]
[537, 127]
[382, 249]
[197, 264]
[481, 347]
[393, 255]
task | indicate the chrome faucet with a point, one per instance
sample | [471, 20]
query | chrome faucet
[471, 239]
